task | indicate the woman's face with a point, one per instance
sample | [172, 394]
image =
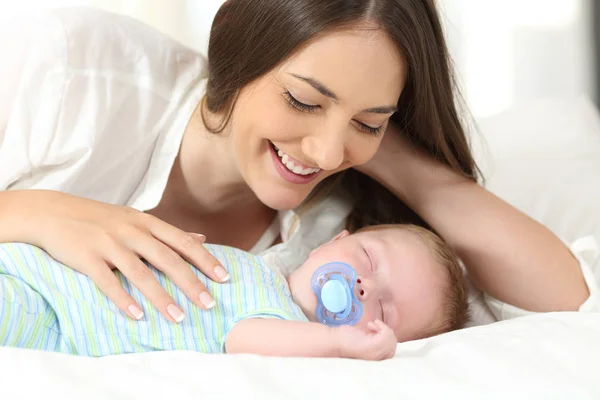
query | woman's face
[323, 110]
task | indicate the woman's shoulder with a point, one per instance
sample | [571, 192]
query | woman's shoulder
[111, 43]
[96, 101]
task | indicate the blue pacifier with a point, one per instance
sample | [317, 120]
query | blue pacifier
[333, 283]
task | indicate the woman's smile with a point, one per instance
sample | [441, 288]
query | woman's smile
[291, 169]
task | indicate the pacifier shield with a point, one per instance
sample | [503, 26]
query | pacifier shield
[333, 283]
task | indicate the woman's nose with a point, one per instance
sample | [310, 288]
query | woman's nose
[326, 149]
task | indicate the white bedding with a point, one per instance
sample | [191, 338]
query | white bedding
[553, 356]
[544, 159]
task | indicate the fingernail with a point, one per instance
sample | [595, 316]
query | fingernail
[136, 312]
[200, 236]
[175, 312]
[221, 273]
[207, 300]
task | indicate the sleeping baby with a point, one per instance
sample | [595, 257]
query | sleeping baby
[355, 296]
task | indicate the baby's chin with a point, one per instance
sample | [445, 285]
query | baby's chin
[302, 293]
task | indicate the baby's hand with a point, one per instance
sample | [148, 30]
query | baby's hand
[378, 343]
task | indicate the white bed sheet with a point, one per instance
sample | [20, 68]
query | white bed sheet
[551, 356]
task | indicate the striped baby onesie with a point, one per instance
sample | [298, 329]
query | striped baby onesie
[46, 305]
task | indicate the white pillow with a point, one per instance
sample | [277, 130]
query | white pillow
[544, 159]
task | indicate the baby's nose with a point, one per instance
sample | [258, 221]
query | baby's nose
[360, 290]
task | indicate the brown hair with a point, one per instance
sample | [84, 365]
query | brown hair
[251, 37]
[456, 307]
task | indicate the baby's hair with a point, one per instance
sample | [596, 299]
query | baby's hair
[456, 308]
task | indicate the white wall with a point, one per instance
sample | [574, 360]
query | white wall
[188, 21]
[506, 51]
[510, 51]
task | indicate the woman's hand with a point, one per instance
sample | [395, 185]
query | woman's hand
[93, 238]
[391, 145]
[378, 342]
[394, 156]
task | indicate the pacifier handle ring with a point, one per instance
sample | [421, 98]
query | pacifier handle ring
[348, 308]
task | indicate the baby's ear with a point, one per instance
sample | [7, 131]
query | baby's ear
[340, 235]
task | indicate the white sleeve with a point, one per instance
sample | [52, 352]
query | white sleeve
[32, 73]
[587, 252]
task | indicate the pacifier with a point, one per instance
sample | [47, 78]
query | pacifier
[333, 283]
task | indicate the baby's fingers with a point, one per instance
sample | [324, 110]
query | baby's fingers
[377, 326]
[372, 326]
[381, 325]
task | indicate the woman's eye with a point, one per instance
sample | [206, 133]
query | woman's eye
[298, 105]
[370, 130]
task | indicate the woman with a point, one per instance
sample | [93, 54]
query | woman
[138, 151]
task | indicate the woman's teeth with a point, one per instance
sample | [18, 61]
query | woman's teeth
[297, 169]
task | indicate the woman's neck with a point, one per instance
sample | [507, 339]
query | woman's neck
[207, 194]
[205, 176]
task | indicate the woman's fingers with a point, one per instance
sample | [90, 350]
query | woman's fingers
[168, 261]
[200, 237]
[189, 246]
[109, 284]
[140, 276]
[108, 236]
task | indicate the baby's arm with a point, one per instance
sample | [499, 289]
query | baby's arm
[280, 338]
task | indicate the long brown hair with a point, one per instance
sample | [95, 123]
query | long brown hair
[251, 37]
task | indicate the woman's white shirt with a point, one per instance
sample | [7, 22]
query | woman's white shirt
[93, 104]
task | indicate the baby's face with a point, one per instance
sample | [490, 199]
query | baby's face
[398, 282]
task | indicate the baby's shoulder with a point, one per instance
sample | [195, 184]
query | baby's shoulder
[234, 257]
[244, 266]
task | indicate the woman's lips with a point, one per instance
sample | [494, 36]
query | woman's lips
[288, 175]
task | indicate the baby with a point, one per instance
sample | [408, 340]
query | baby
[404, 283]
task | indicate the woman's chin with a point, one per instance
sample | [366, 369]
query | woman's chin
[280, 199]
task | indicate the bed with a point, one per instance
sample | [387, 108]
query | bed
[544, 158]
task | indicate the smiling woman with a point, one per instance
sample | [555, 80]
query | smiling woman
[320, 120]
[343, 74]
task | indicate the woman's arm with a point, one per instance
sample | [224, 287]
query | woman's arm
[508, 254]
[279, 338]
[38, 136]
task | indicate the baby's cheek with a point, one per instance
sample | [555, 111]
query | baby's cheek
[362, 324]
[368, 316]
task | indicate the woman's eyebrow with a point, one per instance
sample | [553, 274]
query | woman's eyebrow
[382, 110]
[325, 91]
